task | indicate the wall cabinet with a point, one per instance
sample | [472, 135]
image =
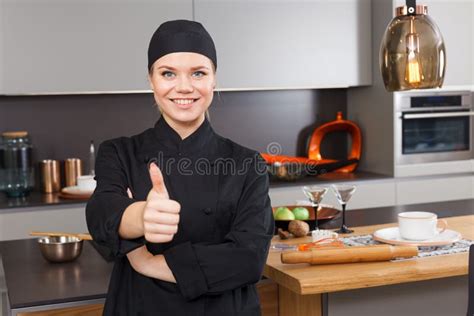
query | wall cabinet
[54, 46]
[100, 46]
[289, 44]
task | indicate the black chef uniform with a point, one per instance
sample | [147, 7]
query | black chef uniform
[225, 226]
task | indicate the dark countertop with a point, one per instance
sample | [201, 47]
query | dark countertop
[35, 199]
[32, 281]
[38, 199]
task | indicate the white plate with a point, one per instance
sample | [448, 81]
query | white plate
[75, 190]
[392, 236]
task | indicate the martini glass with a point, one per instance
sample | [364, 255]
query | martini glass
[315, 194]
[343, 194]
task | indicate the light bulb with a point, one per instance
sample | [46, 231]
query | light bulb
[413, 69]
[413, 74]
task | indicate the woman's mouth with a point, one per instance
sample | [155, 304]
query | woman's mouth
[184, 103]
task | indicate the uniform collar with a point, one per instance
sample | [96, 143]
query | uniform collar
[188, 147]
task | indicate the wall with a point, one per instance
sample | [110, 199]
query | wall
[372, 106]
[62, 126]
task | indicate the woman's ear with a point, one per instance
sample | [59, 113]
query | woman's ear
[150, 82]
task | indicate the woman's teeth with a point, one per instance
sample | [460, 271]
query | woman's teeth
[183, 101]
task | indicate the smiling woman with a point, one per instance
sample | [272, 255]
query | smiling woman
[182, 90]
[185, 242]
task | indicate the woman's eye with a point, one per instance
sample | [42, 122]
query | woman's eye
[167, 74]
[199, 74]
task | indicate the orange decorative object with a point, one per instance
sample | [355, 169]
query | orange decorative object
[271, 159]
[339, 124]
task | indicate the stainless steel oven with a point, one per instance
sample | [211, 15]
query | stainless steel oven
[433, 126]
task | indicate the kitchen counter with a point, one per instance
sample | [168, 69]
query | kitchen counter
[35, 199]
[307, 279]
[307, 286]
[32, 282]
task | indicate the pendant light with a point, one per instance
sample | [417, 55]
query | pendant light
[412, 52]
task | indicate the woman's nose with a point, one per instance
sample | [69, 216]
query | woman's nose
[184, 84]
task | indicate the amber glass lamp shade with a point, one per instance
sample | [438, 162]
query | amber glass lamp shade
[412, 52]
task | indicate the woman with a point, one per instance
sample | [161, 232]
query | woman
[192, 234]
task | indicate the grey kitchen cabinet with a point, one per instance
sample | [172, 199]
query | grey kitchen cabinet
[369, 194]
[54, 46]
[389, 192]
[434, 189]
[17, 223]
[265, 44]
[455, 20]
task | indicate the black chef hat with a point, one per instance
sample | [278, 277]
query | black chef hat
[181, 36]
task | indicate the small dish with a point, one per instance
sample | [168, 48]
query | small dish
[392, 236]
[74, 193]
[76, 190]
[86, 183]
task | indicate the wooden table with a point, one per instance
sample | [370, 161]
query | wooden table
[301, 285]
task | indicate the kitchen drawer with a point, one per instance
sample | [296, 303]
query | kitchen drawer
[368, 194]
[18, 223]
[286, 195]
[434, 189]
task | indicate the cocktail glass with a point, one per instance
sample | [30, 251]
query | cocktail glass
[315, 194]
[343, 194]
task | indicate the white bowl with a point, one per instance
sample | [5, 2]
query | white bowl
[86, 183]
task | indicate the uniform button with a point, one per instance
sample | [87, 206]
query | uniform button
[180, 154]
[207, 210]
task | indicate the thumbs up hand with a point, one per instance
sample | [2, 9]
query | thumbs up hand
[160, 215]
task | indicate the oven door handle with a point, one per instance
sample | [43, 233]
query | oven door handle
[432, 115]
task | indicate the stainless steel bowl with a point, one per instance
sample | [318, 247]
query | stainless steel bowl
[60, 249]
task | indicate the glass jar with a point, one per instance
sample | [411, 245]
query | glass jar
[16, 164]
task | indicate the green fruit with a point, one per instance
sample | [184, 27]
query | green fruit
[301, 213]
[284, 214]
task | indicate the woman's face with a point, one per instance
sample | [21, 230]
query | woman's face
[183, 86]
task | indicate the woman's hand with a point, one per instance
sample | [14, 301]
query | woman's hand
[149, 265]
[139, 258]
[160, 214]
